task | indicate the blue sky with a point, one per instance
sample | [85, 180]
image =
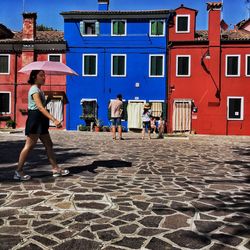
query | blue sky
[48, 10]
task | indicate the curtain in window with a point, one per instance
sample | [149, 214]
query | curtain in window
[156, 108]
[134, 115]
[4, 64]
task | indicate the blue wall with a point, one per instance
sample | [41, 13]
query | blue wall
[137, 45]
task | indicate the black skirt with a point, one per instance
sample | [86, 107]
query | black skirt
[36, 123]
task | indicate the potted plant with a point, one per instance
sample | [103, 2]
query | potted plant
[98, 124]
[10, 124]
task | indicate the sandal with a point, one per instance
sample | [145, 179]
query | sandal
[19, 177]
[61, 172]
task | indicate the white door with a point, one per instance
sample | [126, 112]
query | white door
[134, 110]
[55, 108]
[182, 115]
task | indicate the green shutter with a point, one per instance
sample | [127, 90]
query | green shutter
[121, 28]
[92, 65]
[159, 28]
[115, 27]
[159, 65]
[121, 64]
[125, 111]
[164, 111]
[86, 65]
[153, 28]
[153, 65]
[115, 65]
[82, 28]
[97, 28]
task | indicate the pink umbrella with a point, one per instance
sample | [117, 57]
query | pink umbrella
[49, 67]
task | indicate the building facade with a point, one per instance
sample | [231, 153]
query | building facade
[17, 49]
[115, 52]
[208, 76]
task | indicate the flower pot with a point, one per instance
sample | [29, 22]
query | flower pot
[97, 129]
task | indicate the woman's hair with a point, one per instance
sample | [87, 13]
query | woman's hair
[33, 75]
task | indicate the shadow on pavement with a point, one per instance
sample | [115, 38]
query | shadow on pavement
[106, 164]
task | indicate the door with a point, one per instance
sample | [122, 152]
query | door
[182, 116]
[134, 111]
[55, 107]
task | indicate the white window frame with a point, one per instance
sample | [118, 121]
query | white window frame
[6, 73]
[125, 65]
[188, 24]
[90, 21]
[163, 65]
[238, 74]
[125, 29]
[96, 64]
[241, 110]
[189, 66]
[60, 55]
[247, 56]
[164, 27]
[7, 92]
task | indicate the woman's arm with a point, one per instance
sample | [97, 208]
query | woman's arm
[37, 100]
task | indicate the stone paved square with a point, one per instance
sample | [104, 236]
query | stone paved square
[176, 193]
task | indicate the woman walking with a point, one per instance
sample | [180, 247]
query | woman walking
[37, 126]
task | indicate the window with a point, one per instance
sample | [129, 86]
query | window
[89, 65]
[156, 65]
[89, 109]
[235, 107]
[232, 65]
[89, 28]
[118, 65]
[247, 65]
[182, 23]
[157, 28]
[183, 65]
[119, 27]
[5, 103]
[55, 57]
[4, 64]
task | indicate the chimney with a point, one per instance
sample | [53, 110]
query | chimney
[29, 26]
[103, 5]
[214, 27]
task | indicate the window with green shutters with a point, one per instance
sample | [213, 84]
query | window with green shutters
[118, 65]
[119, 27]
[156, 65]
[4, 64]
[157, 27]
[89, 65]
[89, 28]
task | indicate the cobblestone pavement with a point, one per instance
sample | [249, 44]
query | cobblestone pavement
[175, 193]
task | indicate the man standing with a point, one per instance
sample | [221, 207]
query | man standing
[116, 113]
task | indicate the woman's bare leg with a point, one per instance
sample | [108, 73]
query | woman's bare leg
[48, 144]
[30, 143]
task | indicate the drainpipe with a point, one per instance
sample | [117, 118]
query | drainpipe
[15, 85]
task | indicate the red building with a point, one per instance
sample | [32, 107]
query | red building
[208, 75]
[18, 49]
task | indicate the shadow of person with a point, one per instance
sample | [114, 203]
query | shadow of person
[95, 164]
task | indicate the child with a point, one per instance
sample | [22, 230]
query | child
[153, 125]
[161, 128]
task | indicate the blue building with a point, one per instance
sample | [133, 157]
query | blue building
[115, 52]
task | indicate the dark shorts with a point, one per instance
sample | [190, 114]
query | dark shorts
[36, 123]
[116, 121]
[146, 125]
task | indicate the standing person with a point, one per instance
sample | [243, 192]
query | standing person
[116, 113]
[146, 114]
[37, 126]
